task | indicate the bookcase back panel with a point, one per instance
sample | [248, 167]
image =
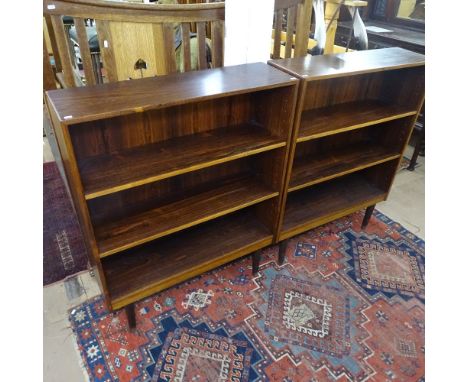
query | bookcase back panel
[273, 109]
[399, 87]
[109, 136]
[404, 87]
[328, 92]
[391, 135]
[258, 168]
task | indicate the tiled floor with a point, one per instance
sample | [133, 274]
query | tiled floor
[61, 359]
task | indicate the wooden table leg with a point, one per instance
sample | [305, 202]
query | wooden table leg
[282, 251]
[367, 216]
[130, 310]
[255, 262]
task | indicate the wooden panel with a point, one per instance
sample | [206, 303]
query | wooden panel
[201, 38]
[304, 18]
[113, 135]
[362, 87]
[328, 201]
[277, 37]
[130, 43]
[137, 200]
[152, 268]
[84, 51]
[169, 48]
[108, 100]
[308, 171]
[351, 63]
[186, 46]
[135, 230]
[64, 50]
[73, 180]
[282, 4]
[53, 42]
[48, 77]
[106, 48]
[217, 41]
[105, 174]
[142, 13]
[291, 23]
[331, 120]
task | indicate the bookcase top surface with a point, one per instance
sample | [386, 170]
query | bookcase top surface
[313, 68]
[75, 105]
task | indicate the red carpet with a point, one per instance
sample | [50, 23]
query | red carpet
[347, 305]
[64, 251]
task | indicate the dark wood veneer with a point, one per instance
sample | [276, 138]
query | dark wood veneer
[354, 116]
[175, 175]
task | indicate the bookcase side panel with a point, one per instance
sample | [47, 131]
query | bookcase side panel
[76, 189]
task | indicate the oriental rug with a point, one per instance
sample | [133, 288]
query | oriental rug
[347, 305]
[64, 252]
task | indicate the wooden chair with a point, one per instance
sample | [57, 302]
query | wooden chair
[129, 33]
[297, 15]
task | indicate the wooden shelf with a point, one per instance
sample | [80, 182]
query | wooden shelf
[328, 201]
[142, 228]
[336, 119]
[309, 171]
[140, 272]
[106, 174]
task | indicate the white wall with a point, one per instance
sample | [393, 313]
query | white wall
[248, 31]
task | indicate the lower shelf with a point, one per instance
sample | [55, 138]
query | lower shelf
[312, 207]
[140, 272]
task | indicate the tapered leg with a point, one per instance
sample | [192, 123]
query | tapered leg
[417, 150]
[130, 310]
[255, 262]
[367, 216]
[282, 251]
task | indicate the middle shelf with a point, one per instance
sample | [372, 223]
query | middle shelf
[229, 196]
[105, 174]
[309, 171]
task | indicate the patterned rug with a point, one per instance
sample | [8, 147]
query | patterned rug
[347, 305]
[64, 252]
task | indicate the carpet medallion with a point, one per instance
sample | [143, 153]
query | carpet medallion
[347, 305]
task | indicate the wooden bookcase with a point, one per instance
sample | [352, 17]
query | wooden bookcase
[354, 116]
[175, 175]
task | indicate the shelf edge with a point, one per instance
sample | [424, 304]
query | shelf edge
[342, 173]
[187, 225]
[155, 178]
[354, 127]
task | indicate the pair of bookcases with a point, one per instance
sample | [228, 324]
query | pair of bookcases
[176, 175]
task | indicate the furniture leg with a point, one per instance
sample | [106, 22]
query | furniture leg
[255, 262]
[130, 310]
[417, 149]
[367, 216]
[282, 252]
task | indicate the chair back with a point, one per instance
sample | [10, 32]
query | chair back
[134, 40]
[291, 25]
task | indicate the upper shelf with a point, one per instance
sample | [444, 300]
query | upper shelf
[105, 174]
[89, 103]
[312, 68]
[321, 122]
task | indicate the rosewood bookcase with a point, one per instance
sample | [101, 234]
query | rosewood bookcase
[354, 116]
[175, 175]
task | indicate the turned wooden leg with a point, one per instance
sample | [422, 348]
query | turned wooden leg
[367, 216]
[255, 262]
[130, 310]
[282, 251]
